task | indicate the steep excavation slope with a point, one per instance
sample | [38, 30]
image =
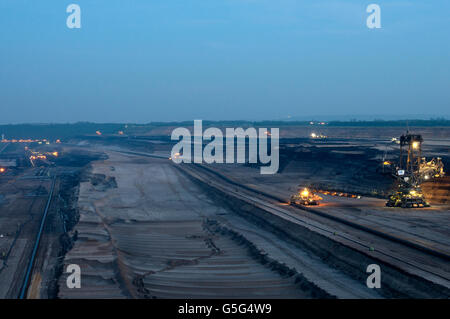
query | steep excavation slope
[142, 233]
[437, 191]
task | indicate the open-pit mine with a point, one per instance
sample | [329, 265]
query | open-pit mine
[139, 225]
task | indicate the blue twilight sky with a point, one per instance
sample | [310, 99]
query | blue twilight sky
[166, 60]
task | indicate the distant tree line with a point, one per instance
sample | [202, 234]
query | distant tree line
[70, 130]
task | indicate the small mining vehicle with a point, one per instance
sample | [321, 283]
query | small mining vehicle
[305, 197]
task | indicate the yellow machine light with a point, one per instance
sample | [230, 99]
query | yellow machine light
[305, 192]
[415, 145]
